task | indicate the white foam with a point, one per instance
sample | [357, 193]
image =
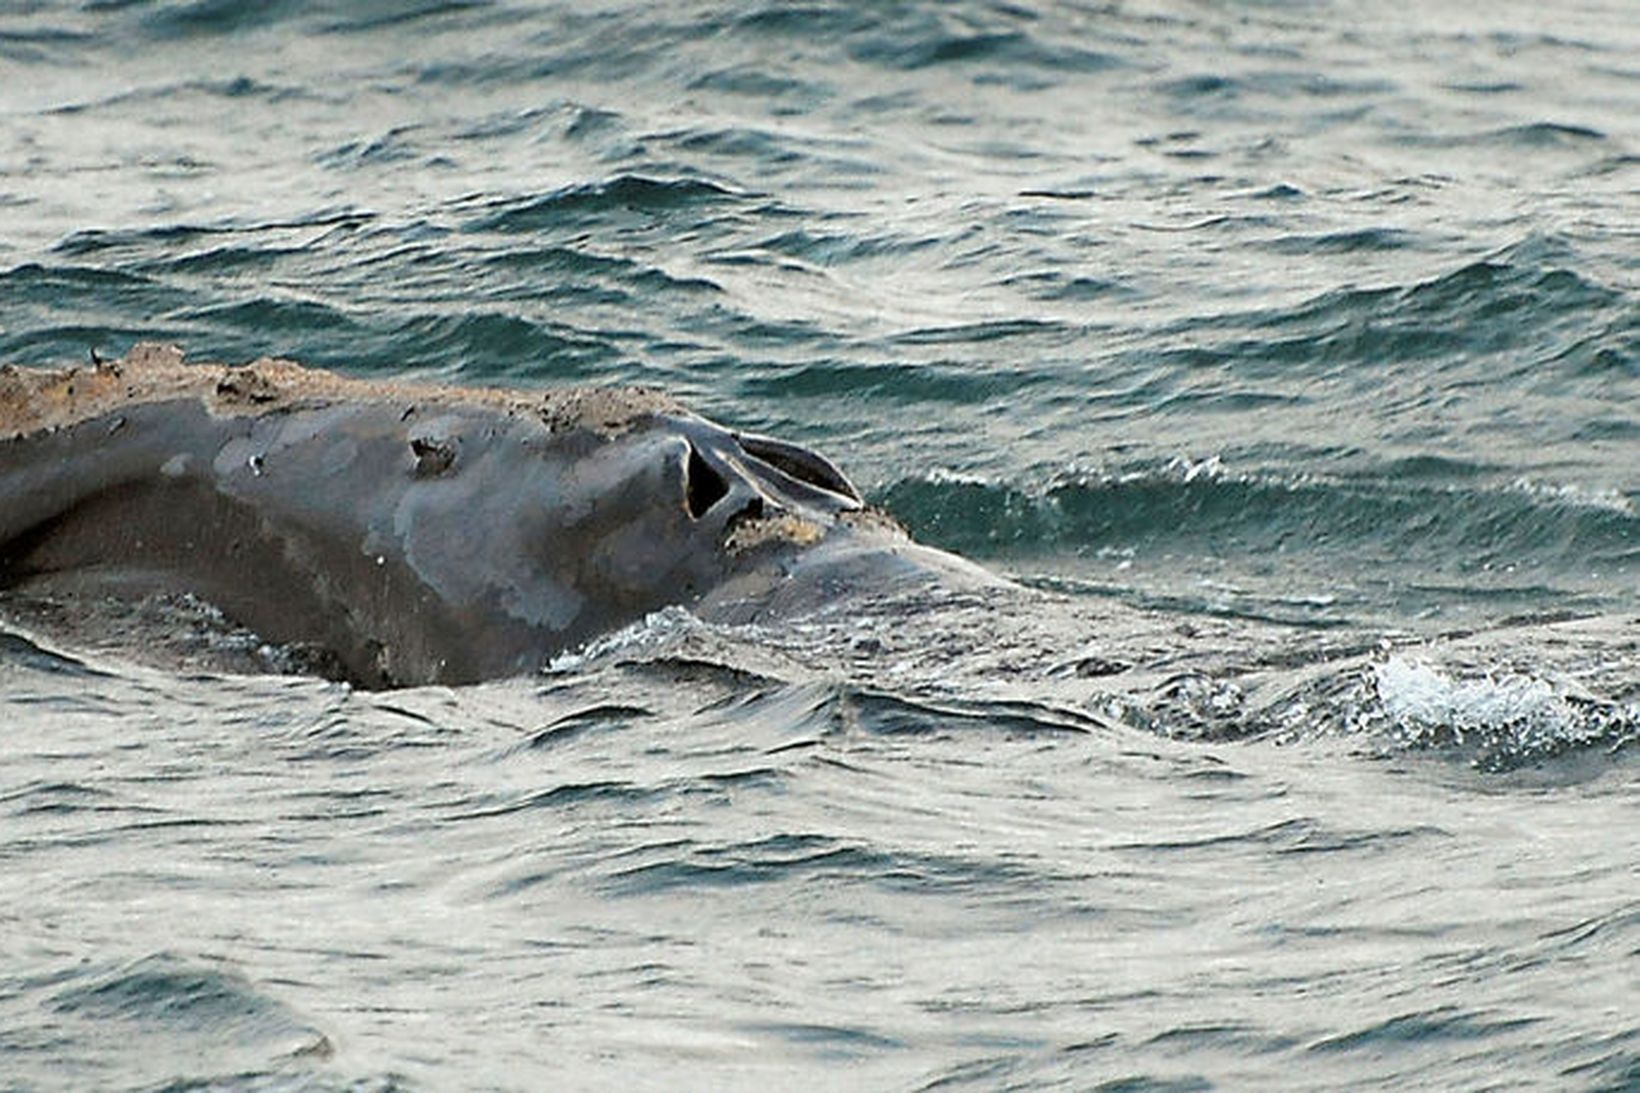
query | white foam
[1424, 701]
[1610, 500]
[650, 632]
[1190, 470]
[950, 476]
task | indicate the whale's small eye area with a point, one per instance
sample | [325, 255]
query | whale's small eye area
[703, 486]
[799, 463]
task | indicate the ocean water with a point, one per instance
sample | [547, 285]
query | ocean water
[1284, 353]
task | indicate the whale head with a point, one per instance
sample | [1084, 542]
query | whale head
[415, 534]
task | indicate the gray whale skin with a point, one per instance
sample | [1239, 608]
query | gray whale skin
[417, 534]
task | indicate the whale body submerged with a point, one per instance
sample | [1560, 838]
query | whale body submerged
[409, 534]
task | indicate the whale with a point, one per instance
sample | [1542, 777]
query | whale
[404, 534]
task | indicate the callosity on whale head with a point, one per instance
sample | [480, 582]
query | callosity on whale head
[412, 534]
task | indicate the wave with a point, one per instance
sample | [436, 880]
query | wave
[494, 344]
[192, 1016]
[1524, 305]
[618, 195]
[1199, 507]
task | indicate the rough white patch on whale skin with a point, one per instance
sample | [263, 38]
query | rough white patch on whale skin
[176, 466]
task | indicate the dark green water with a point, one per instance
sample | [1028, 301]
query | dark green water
[1287, 353]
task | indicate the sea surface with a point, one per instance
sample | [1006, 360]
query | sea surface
[1284, 353]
